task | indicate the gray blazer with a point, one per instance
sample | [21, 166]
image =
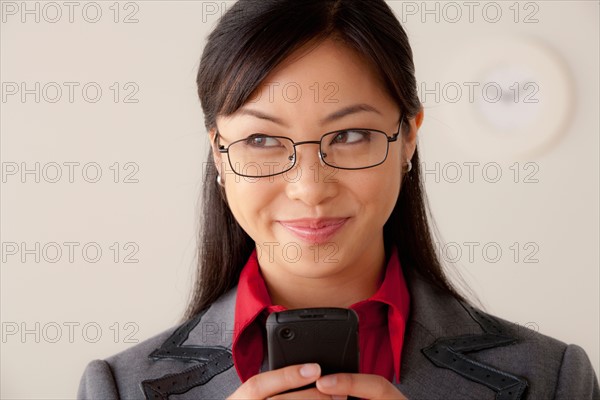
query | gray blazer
[451, 351]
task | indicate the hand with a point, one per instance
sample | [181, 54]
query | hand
[364, 386]
[271, 383]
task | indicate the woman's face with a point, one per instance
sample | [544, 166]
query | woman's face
[316, 221]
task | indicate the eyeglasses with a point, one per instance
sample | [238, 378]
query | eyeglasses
[260, 155]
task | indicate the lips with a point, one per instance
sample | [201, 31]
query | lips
[314, 230]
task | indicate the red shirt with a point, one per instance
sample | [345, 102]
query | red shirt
[381, 317]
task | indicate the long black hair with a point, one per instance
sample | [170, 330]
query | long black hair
[250, 40]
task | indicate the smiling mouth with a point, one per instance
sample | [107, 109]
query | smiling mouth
[314, 230]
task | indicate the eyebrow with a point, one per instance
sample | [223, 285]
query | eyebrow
[353, 109]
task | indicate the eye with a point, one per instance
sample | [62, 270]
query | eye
[351, 136]
[259, 140]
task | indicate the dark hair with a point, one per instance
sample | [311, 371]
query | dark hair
[250, 40]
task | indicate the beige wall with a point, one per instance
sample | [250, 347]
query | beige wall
[61, 311]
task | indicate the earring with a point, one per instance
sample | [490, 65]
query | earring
[219, 180]
[408, 166]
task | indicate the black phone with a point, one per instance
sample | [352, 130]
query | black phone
[327, 336]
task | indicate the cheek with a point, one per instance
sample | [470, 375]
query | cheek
[393, 169]
[379, 186]
[376, 190]
[251, 203]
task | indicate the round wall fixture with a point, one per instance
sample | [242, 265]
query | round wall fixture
[507, 97]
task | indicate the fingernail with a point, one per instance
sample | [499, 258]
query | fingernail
[309, 370]
[328, 381]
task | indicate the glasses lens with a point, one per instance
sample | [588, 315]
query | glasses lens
[261, 155]
[356, 148]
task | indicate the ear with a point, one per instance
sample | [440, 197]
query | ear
[410, 139]
[419, 117]
[215, 151]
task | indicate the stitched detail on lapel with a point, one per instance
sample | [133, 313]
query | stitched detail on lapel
[181, 382]
[467, 343]
[448, 352]
[212, 360]
[486, 321]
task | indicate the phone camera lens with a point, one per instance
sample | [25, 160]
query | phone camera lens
[287, 333]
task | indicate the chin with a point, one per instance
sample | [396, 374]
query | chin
[310, 269]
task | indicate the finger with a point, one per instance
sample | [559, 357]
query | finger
[364, 386]
[270, 383]
[308, 394]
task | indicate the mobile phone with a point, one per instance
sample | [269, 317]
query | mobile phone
[327, 336]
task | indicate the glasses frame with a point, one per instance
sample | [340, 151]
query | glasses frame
[222, 149]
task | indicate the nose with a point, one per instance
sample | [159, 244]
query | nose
[310, 181]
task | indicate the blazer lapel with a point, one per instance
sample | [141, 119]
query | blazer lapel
[441, 335]
[205, 342]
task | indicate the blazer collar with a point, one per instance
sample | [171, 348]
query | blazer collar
[440, 331]
[436, 313]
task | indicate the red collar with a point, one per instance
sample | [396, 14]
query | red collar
[253, 299]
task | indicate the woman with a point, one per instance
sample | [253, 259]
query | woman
[316, 200]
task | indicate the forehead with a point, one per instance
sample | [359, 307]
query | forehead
[320, 78]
